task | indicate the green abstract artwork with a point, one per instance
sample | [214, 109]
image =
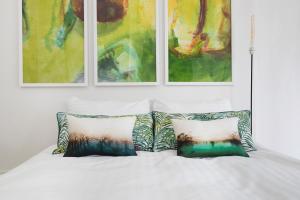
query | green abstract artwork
[126, 42]
[199, 41]
[53, 42]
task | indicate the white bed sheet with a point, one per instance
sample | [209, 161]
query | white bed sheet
[156, 176]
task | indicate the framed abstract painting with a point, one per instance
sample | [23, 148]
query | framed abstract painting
[53, 44]
[125, 42]
[198, 42]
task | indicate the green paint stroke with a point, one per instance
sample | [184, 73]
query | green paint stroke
[69, 22]
[203, 68]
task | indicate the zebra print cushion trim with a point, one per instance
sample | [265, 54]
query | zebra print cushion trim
[63, 134]
[142, 132]
[165, 138]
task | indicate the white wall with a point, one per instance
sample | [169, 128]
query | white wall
[27, 119]
[277, 71]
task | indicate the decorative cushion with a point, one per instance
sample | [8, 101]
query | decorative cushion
[100, 136]
[142, 132]
[165, 139]
[109, 108]
[208, 138]
[219, 105]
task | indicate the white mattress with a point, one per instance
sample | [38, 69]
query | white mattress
[155, 176]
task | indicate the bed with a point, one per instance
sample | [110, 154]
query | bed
[148, 176]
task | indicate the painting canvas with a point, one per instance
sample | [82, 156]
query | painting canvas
[198, 40]
[125, 42]
[52, 43]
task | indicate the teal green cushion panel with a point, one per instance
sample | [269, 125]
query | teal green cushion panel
[98, 147]
[142, 133]
[196, 150]
[165, 139]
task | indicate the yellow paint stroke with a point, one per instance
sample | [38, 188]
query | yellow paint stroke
[183, 20]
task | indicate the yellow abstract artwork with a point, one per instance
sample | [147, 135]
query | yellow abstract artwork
[53, 42]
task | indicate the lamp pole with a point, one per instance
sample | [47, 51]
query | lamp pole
[252, 50]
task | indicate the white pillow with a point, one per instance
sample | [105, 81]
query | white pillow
[115, 128]
[213, 130]
[112, 108]
[220, 105]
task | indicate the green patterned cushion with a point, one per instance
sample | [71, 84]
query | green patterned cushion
[165, 138]
[142, 132]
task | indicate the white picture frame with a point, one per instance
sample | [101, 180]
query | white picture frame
[166, 54]
[20, 68]
[105, 84]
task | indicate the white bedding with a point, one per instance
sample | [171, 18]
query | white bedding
[153, 176]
